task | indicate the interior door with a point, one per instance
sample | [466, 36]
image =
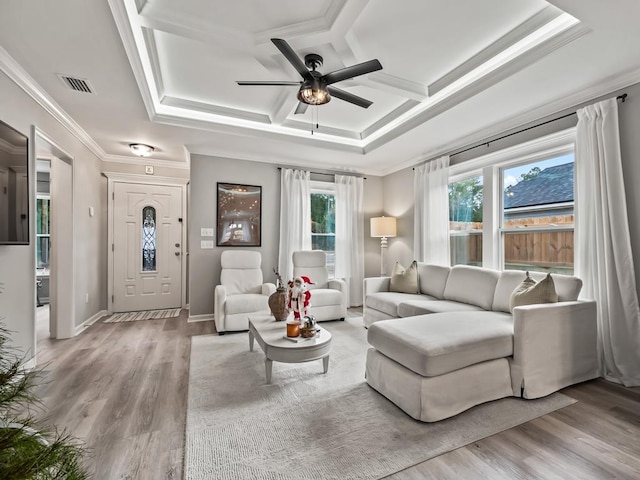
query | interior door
[147, 249]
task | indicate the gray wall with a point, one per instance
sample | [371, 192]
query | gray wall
[17, 263]
[398, 187]
[372, 203]
[204, 265]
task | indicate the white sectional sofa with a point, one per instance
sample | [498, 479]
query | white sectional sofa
[456, 344]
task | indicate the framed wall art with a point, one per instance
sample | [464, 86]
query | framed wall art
[239, 221]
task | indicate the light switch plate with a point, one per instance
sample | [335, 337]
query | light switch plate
[206, 232]
[206, 244]
[148, 169]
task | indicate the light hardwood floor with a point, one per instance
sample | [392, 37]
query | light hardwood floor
[123, 388]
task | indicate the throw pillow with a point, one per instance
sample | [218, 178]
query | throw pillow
[405, 280]
[529, 292]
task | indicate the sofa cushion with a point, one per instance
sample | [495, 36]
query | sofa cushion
[531, 293]
[404, 280]
[322, 297]
[423, 307]
[567, 287]
[432, 279]
[246, 303]
[440, 343]
[473, 285]
[388, 302]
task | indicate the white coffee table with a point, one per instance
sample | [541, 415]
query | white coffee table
[268, 333]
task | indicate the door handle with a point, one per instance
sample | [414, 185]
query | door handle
[177, 245]
[177, 254]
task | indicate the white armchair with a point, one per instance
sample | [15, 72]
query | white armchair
[241, 291]
[328, 296]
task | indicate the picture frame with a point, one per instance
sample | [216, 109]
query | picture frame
[239, 215]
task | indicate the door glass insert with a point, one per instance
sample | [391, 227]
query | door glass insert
[148, 239]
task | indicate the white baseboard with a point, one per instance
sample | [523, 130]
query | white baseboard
[30, 364]
[90, 321]
[206, 317]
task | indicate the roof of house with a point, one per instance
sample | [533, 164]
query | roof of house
[551, 185]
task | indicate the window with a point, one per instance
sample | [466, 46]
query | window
[148, 239]
[537, 215]
[514, 209]
[465, 221]
[323, 223]
[43, 240]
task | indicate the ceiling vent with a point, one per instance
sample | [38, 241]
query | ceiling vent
[77, 84]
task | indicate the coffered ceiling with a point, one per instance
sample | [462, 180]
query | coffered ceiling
[165, 72]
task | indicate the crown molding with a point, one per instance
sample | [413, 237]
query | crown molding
[123, 24]
[182, 164]
[395, 113]
[607, 87]
[154, 59]
[215, 109]
[321, 24]
[21, 78]
[517, 34]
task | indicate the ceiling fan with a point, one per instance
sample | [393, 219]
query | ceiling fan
[316, 88]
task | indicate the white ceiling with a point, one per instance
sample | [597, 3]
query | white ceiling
[453, 73]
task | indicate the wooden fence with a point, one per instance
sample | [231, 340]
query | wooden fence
[550, 251]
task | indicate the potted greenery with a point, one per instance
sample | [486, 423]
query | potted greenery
[29, 450]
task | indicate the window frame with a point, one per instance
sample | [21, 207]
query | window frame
[491, 167]
[326, 188]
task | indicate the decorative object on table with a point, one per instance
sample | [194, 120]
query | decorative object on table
[278, 300]
[239, 215]
[293, 328]
[299, 297]
[383, 228]
[308, 329]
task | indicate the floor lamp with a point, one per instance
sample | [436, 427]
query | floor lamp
[383, 228]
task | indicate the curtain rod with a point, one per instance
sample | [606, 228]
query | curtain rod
[348, 174]
[622, 97]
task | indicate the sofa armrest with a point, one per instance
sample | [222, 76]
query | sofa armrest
[268, 288]
[554, 346]
[219, 299]
[376, 284]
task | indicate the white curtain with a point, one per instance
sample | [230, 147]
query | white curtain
[431, 212]
[350, 235]
[604, 259]
[295, 218]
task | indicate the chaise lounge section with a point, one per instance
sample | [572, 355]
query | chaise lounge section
[456, 344]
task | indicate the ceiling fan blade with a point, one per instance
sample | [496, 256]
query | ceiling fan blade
[349, 97]
[267, 83]
[291, 56]
[301, 108]
[352, 71]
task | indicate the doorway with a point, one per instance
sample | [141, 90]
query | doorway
[55, 247]
[147, 235]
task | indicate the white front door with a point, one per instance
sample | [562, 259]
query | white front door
[147, 247]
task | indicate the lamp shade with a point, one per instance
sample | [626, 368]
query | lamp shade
[383, 227]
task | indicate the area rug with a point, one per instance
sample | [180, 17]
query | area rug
[144, 315]
[310, 425]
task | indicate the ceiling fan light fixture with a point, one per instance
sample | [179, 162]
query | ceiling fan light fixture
[313, 93]
[141, 149]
